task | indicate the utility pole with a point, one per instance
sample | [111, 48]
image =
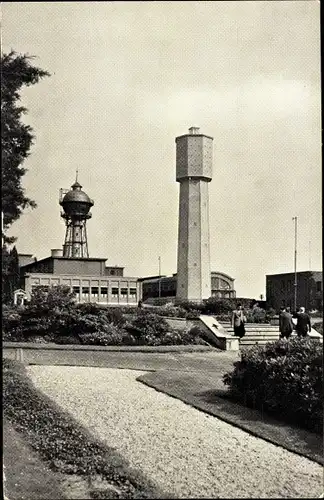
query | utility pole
[295, 265]
[310, 248]
[159, 277]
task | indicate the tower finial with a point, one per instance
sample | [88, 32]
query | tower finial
[76, 175]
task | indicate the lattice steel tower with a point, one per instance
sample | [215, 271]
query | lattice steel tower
[76, 206]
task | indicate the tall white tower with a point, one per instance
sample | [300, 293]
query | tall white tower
[194, 161]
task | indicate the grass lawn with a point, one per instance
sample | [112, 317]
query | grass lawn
[27, 477]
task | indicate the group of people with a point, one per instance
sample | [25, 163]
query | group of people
[287, 326]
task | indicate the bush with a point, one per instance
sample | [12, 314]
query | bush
[283, 378]
[256, 315]
[110, 335]
[63, 443]
[147, 329]
[46, 300]
[53, 316]
[214, 305]
[11, 323]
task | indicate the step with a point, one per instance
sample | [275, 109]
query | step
[257, 332]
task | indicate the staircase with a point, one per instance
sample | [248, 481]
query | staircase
[255, 333]
[261, 333]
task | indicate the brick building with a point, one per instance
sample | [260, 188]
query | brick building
[280, 290]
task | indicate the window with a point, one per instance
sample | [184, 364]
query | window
[132, 291]
[104, 290]
[76, 290]
[94, 290]
[124, 291]
[112, 272]
[114, 291]
[85, 289]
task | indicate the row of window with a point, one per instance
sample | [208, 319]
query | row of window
[103, 290]
[94, 290]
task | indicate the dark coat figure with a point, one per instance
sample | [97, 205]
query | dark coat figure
[303, 323]
[286, 324]
[238, 320]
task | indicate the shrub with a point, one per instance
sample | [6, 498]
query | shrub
[11, 323]
[147, 329]
[171, 311]
[110, 335]
[46, 300]
[283, 378]
[256, 315]
[213, 305]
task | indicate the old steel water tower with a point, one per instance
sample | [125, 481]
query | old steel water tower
[76, 206]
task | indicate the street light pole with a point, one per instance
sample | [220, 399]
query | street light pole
[159, 277]
[295, 265]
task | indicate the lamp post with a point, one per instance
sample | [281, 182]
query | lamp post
[159, 277]
[295, 265]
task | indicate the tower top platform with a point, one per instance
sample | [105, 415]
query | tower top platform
[194, 156]
[193, 131]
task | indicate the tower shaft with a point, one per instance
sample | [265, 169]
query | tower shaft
[75, 243]
[194, 172]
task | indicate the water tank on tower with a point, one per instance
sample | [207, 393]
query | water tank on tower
[76, 206]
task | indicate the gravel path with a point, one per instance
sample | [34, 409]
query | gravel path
[184, 451]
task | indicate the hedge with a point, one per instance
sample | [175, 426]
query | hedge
[66, 445]
[284, 378]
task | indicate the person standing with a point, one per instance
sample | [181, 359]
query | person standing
[286, 324]
[303, 323]
[238, 320]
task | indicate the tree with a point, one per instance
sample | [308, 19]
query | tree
[10, 274]
[17, 138]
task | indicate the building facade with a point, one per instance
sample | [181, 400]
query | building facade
[280, 290]
[153, 287]
[90, 279]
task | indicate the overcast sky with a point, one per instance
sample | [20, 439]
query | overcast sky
[127, 78]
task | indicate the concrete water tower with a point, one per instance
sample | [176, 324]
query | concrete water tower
[194, 162]
[76, 206]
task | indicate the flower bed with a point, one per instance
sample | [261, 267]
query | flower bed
[53, 316]
[284, 378]
[63, 443]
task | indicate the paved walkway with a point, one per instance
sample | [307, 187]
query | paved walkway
[196, 379]
[185, 452]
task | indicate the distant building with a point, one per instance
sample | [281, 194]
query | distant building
[25, 258]
[280, 290]
[222, 286]
[89, 278]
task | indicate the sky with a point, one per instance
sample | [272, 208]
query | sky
[126, 79]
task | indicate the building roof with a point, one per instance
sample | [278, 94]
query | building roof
[292, 272]
[223, 274]
[47, 259]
